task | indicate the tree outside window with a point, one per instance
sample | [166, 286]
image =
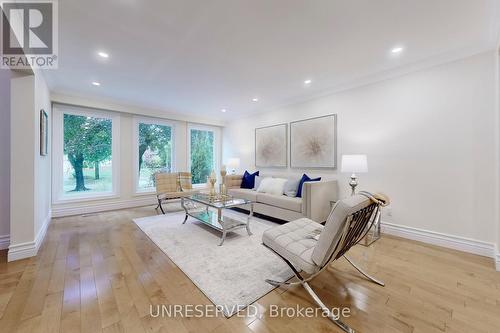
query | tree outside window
[155, 152]
[87, 154]
[202, 154]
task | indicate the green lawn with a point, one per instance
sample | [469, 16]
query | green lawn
[104, 183]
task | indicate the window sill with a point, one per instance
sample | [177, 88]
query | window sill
[144, 193]
[85, 198]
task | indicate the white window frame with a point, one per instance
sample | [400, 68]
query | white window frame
[58, 195]
[217, 147]
[135, 155]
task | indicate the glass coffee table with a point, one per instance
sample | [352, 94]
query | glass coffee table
[213, 217]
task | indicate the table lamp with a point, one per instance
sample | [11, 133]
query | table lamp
[354, 164]
[233, 163]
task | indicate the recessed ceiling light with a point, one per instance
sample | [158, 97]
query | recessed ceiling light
[255, 99]
[95, 83]
[306, 82]
[397, 49]
[223, 110]
[103, 54]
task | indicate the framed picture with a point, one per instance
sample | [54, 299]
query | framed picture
[271, 146]
[313, 142]
[44, 135]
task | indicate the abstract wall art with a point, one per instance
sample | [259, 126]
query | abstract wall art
[313, 142]
[271, 146]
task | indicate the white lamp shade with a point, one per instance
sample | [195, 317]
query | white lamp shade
[233, 163]
[354, 163]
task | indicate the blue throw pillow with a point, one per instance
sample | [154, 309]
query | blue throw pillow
[248, 180]
[304, 179]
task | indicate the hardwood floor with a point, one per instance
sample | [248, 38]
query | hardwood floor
[100, 273]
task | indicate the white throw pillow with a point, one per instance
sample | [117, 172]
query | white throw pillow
[272, 185]
[258, 179]
[264, 184]
[291, 186]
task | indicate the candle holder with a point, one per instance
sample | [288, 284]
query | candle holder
[211, 180]
[222, 186]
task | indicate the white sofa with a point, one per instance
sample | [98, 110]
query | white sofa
[314, 204]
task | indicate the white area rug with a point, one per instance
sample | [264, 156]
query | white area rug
[232, 275]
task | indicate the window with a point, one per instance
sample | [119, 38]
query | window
[203, 152]
[154, 152]
[84, 153]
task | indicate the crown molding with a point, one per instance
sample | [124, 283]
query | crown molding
[376, 77]
[109, 105]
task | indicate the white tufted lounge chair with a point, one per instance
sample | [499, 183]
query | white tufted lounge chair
[310, 247]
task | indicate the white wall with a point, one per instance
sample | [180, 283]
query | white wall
[430, 141]
[497, 107]
[127, 196]
[42, 163]
[22, 194]
[4, 158]
[30, 172]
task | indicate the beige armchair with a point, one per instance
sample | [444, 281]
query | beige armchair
[172, 186]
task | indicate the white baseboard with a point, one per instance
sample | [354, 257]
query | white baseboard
[29, 249]
[449, 241]
[497, 258]
[102, 206]
[4, 242]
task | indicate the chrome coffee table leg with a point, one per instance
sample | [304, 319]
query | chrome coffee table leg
[221, 222]
[223, 238]
[248, 220]
[185, 209]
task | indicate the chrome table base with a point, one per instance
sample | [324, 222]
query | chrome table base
[216, 220]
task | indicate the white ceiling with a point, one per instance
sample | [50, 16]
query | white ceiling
[197, 57]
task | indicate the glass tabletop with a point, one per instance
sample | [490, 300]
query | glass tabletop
[217, 201]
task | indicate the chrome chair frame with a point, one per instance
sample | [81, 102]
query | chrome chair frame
[355, 229]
